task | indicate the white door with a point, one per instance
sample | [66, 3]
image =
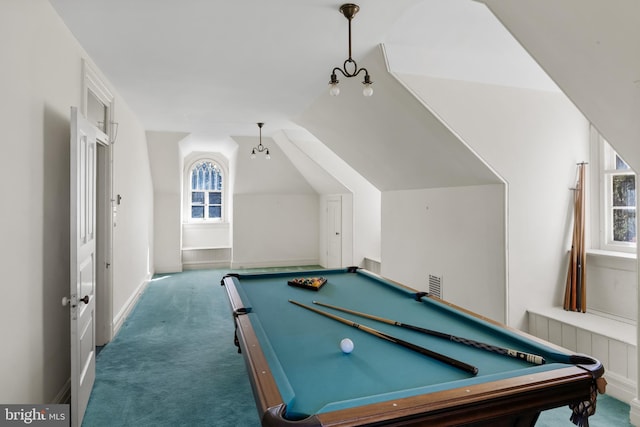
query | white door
[334, 230]
[84, 138]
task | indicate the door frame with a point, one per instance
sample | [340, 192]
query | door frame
[106, 204]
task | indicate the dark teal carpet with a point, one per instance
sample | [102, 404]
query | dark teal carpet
[609, 413]
[173, 363]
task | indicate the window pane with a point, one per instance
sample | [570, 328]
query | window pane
[197, 197]
[215, 198]
[195, 179]
[206, 176]
[96, 112]
[624, 190]
[621, 164]
[197, 211]
[624, 225]
[206, 173]
[215, 212]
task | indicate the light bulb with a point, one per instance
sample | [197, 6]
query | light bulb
[368, 90]
[334, 90]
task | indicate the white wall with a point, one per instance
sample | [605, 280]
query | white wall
[201, 235]
[41, 80]
[591, 55]
[275, 210]
[533, 140]
[133, 235]
[275, 230]
[455, 233]
[612, 285]
[164, 156]
[364, 201]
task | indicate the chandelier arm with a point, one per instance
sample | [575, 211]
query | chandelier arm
[366, 73]
[341, 72]
[346, 73]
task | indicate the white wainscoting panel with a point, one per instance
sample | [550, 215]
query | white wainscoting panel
[611, 341]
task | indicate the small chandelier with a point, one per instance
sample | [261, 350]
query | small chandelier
[260, 148]
[349, 10]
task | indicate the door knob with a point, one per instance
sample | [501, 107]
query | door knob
[67, 301]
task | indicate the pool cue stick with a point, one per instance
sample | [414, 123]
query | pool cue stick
[579, 296]
[574, 254]
[583, 260]
[570, 271]
[424, 351]
[531, 358]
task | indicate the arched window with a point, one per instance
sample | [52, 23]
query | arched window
[206, 201]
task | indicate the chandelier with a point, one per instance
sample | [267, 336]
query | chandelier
[260, 148]
[350, 68]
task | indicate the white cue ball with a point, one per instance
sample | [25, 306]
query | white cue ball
[346, 345]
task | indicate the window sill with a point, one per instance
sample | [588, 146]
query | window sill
[611, 254]
[610, 259]
[204, 248]
[205, 224]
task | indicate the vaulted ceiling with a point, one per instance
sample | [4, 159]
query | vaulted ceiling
[213, 69]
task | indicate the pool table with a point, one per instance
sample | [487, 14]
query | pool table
[300, 376]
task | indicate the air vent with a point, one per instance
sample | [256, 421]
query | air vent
[435, 286]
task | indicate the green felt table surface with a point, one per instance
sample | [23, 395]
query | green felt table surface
[314, 375]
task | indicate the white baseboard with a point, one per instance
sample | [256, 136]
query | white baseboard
[619, 387]
[205, 265]
[634, 413]
[175, 268]
[64, 395]
[274, 263]
[122, 315]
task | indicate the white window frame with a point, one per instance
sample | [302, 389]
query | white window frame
[606, 156]
[91, 82]
[190, 162]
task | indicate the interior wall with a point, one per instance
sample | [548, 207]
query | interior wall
[133, 235]
[533, 140]
[275, 230]
[612, 285]
[164, 158]
[393, 143]
[364, 200]
[38, 88]
[457, 234]
[589, 48]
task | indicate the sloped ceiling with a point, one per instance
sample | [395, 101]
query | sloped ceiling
[391, 139]
[213, 69]
[591, 49]
[315, 174]
[277, 175]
